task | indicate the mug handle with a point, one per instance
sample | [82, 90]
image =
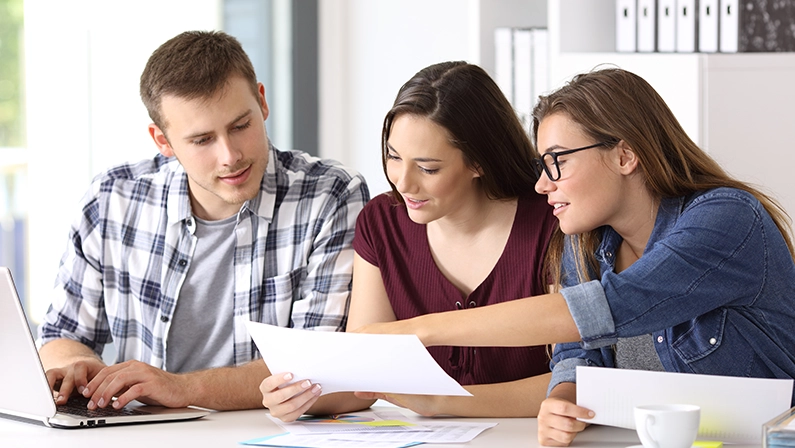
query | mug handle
[650, 421]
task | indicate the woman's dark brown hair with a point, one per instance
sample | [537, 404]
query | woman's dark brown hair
[463, 99]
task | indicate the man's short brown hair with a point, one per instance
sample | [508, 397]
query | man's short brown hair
[194, 64]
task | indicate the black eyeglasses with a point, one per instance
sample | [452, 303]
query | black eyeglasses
[548, 162]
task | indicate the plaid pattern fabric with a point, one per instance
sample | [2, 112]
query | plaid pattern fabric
[132, 245]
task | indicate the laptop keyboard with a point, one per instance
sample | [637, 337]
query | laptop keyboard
[78, 406]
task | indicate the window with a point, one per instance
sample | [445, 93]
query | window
[281, 38]
[13, 164]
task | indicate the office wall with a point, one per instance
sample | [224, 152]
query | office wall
[83, 63]
[368, 49]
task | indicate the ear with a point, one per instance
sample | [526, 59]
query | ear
[477, 170]
[263, 102]
[160, 140]
[627, 159]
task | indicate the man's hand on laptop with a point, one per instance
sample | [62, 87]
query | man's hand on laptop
[135, 380]
[64, 381]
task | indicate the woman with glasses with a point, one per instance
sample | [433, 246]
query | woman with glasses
[663, 261]
[462, 228]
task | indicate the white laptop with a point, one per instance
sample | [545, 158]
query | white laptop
[28, 396]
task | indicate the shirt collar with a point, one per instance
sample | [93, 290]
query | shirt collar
[264, 203]
[668, 213]
[178, 202]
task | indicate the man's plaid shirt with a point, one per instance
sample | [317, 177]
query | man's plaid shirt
[132, 245]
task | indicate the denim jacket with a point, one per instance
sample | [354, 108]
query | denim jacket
[715, 288]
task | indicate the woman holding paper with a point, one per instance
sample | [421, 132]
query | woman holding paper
[462, 228]
[667, 262]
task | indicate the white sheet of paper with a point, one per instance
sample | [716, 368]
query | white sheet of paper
[732, 409]
[436, 432]
[425, 430]
[349, 362]
[324, 441]
[362, 422]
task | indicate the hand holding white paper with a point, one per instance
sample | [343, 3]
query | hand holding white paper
[350, 362]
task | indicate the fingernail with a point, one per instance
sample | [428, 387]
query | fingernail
[80, 389]
[91, 404]
[316, 389]
[116, 405]
[86, 392]
[591, 414]
[306, 384]
[288, 376]
[101, 402]
[59, 399]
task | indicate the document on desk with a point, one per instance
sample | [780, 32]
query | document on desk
[382, 426]
[349, 362]
[733, 409]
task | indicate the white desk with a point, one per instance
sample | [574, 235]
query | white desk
[226, 429]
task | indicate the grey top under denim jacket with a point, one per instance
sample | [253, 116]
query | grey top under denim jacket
[715, 288]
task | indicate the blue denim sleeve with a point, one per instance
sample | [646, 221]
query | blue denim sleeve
[568, 356]
[589, 308]
[591, 313]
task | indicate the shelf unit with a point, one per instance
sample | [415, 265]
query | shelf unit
[738, 107]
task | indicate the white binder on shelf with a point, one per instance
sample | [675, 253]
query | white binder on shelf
[686, 26]
[729, 24]
[666, 26]
[540, 63]
[626, 25]
[523, 73]
[647, 26]
[503, 61]
[708, 13]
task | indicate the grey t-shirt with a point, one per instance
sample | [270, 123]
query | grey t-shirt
[201, 334]
[637, 353]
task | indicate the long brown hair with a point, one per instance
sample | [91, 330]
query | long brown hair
[465, 101]
[611, 105]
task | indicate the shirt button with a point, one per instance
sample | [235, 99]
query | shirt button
[183, 262]
[659, 339]
[713, 341]
[164, 318]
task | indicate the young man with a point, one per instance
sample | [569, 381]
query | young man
[169, 257]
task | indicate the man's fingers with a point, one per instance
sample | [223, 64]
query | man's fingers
[54, 377]
[132, 393]
[114, 384]
[80, 374]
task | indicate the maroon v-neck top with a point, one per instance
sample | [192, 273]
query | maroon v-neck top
[387, 238]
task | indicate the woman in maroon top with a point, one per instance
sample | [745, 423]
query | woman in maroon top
[461, 228]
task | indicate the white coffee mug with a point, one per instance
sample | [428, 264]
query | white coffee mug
[667, 425]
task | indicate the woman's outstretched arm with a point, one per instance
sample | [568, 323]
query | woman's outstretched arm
[536, 320]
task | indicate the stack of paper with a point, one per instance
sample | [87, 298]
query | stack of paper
[380, 429]
[350, 362]
[780, 432]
